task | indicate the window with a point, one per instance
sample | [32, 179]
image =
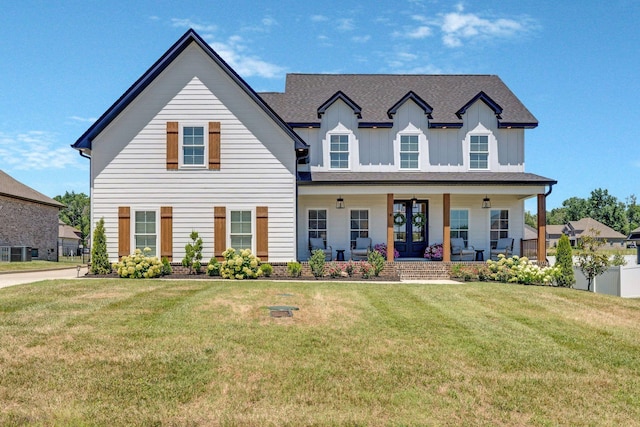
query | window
[241, 231]
[318, 224]
[145, 231]
[479, 152]
[409, 152]
[359, 224]
[460, 225]
[193, 146]
[5, 254]
[499, 225]
[339, 152]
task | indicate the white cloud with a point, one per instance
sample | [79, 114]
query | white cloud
[419, 33]
[188, 23]
[346, 24]
[361, 39]
[83, 119]
[458, 27]
[319, 18]
[235, 50]
[268, 21]
[36, 150]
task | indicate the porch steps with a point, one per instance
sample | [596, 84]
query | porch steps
[423, 270]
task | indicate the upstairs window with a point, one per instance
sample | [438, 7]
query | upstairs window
[479, 152]
[193, 146]
[339, 152]
[409, 152]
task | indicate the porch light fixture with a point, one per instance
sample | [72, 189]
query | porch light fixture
[414, 201]
[340, 203]
[486, 202]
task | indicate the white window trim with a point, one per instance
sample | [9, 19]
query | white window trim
[350, 142]
[252, 209]
[307, 222]
[132, 226]
[468, 145]
[468, 219]
[205, 130]
[493, 208]
[400, 135]
[349, 220]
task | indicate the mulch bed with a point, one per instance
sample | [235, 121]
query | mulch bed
[207, 277]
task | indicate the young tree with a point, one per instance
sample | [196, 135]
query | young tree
[591, 261]
[193, 253]
[564, 260]
[99, 257]
[76, 213]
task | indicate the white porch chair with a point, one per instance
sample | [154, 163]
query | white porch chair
[361, 249]
[504, 246]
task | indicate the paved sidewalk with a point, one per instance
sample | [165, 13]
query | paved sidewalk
[19, 278]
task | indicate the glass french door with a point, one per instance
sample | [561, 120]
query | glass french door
[410, 225]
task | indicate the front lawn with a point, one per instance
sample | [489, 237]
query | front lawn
[134, 352]
[35, 265]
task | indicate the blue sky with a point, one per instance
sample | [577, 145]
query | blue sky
[575, 65]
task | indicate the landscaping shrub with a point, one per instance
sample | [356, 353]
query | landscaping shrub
[334, 270]
[366, 269]
[520, 270]
[166, 266]
[294, 268]
[564, 262]
[376, 260]
[139, 265]
[267, 269]
[316, 263]
[382, 248]
[213, 267]
[240, 265]
[193, 253]
[99, 257]
[350, 268]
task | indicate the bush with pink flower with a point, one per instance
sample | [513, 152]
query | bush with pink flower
[382, 249]
[433, 251]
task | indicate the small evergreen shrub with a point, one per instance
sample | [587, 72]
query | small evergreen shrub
[376, 260]
[213, 267]
[316, 263]
[139, 265]
[193, 253]
[240, 265]
[564, 262]
[267, 269]
[99, 257]
[294, 268]
[166, 266]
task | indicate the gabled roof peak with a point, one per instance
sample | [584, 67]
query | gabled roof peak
[339, 95]
[497, 109]
[411, 95]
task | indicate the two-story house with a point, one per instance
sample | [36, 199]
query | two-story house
[407, 160]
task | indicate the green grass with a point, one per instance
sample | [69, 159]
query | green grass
[35, 265]
[118, 352]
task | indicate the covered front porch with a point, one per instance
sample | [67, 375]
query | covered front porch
[408, 219]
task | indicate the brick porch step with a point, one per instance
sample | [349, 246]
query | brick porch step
[422, 270]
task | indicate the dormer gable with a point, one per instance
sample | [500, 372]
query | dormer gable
[497, 109]
[411, 95]
[339, 95]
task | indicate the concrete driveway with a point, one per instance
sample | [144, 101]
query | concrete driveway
[19, 278]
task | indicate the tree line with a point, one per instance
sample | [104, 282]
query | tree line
[601, 206]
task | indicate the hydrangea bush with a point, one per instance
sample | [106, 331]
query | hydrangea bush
[139, 265]
[240, 265]
[434, 251]
[520, 270]
[382, 249]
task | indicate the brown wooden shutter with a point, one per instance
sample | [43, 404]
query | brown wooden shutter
[220, 231]
[262, 232]
[214, 145]
[172, 145]
[166, 232]
[124, 231]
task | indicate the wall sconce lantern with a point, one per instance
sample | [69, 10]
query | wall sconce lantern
[486, 203]
[340, 203]
[414, 201]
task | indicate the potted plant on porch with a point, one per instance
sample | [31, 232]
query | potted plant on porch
[434, 252]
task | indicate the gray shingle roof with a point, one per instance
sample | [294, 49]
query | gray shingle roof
[435, 178]
[375, 94]
[11, 188]
[585, 225]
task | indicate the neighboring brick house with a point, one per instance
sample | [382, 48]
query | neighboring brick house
[28, 219]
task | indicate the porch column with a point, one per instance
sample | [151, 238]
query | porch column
[390, 247]
[542, 228]
[446, 227]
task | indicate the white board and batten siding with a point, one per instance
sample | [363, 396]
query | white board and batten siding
[441, 150]
[257, 159]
